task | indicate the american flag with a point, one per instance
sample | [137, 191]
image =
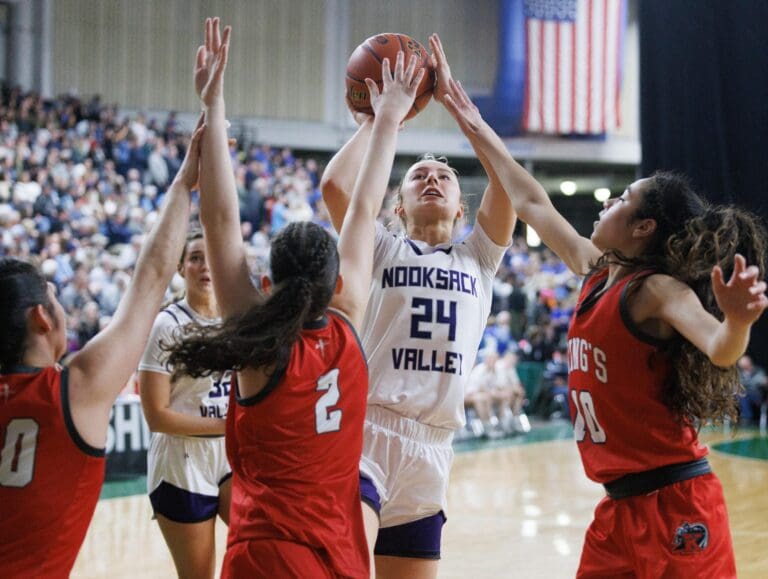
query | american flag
[573, 77]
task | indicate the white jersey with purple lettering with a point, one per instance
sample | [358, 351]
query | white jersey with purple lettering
[197, 396]
[427, 310]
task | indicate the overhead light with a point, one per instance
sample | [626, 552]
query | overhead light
[531, 237]
[568, 188]
[602, 194]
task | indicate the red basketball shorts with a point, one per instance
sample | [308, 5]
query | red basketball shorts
[273, 558]
[680, 530]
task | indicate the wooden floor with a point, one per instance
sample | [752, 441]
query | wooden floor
[514, 511]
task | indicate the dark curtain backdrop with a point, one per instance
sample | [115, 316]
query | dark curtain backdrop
[704, 102]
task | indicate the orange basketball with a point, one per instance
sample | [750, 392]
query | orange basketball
[365, 62]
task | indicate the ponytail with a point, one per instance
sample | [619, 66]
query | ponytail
[305, 267]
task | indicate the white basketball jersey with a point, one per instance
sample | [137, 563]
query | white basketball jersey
[426, 313]
[197, 396]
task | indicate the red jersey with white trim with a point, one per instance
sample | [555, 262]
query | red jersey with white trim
[616, 382]
[50, 478]
[295, 449]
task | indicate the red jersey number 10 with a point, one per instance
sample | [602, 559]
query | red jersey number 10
[17, 460]
[586, 419]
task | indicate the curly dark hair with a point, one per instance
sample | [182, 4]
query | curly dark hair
[305, 265]
[692, 237]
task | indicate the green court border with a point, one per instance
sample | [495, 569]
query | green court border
[755, 447]
[541, 432]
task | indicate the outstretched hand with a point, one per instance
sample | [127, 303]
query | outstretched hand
[742, 299]
[189, 172]
[211, 61]
[398, 90]
[443, 76]
[462, 109]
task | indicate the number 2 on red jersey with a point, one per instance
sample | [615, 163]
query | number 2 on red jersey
[328, 420]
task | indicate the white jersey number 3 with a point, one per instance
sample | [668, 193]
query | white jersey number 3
[17, 461]
[325, 420]
[586, 418]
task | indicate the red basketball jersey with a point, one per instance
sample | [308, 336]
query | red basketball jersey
[49, 477]
[295, 449]
[616, 383]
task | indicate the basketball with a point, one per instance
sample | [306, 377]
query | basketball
[365, 62]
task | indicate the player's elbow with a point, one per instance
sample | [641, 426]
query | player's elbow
[330, 187]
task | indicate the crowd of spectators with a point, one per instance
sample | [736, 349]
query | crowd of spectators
[80, 186]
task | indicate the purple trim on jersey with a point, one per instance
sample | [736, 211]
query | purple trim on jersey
[188, 314]
[170, 313]
[414, 246]
[182, 506]
[368, 494]
[417, 539]
[446, 250]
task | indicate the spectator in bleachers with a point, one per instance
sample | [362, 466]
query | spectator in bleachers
[755, 383]
[552, 401]
[496, 395]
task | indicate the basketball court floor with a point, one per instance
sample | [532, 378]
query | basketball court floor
[517, 508]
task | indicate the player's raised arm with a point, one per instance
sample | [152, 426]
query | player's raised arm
[219, 210]
[528, 197]
[102, 368]
[359, 228]
[496, 214]
[341, 172]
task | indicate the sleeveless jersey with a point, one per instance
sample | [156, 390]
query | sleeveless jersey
[50, 478]
[616, 382]
[427, 310]
[207, 396]
[295, 448]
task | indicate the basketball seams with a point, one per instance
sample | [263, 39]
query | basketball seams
[360, 80]
[372, 52]
[402, 46]
[379, 47]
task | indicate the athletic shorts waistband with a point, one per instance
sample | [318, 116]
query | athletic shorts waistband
[642, 483]
[407, 427]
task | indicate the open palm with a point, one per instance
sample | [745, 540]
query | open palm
[398, 89]
[211, 61]
[742, 299]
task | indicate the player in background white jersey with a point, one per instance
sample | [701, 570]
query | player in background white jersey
[429, 303]
[188, 476]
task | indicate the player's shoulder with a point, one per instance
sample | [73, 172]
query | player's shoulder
[661, 286]
[479, 246]
[172, 316]
[345, 326]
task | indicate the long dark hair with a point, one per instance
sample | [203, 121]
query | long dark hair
[21, 287]
[305, 265]
[692, 237]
